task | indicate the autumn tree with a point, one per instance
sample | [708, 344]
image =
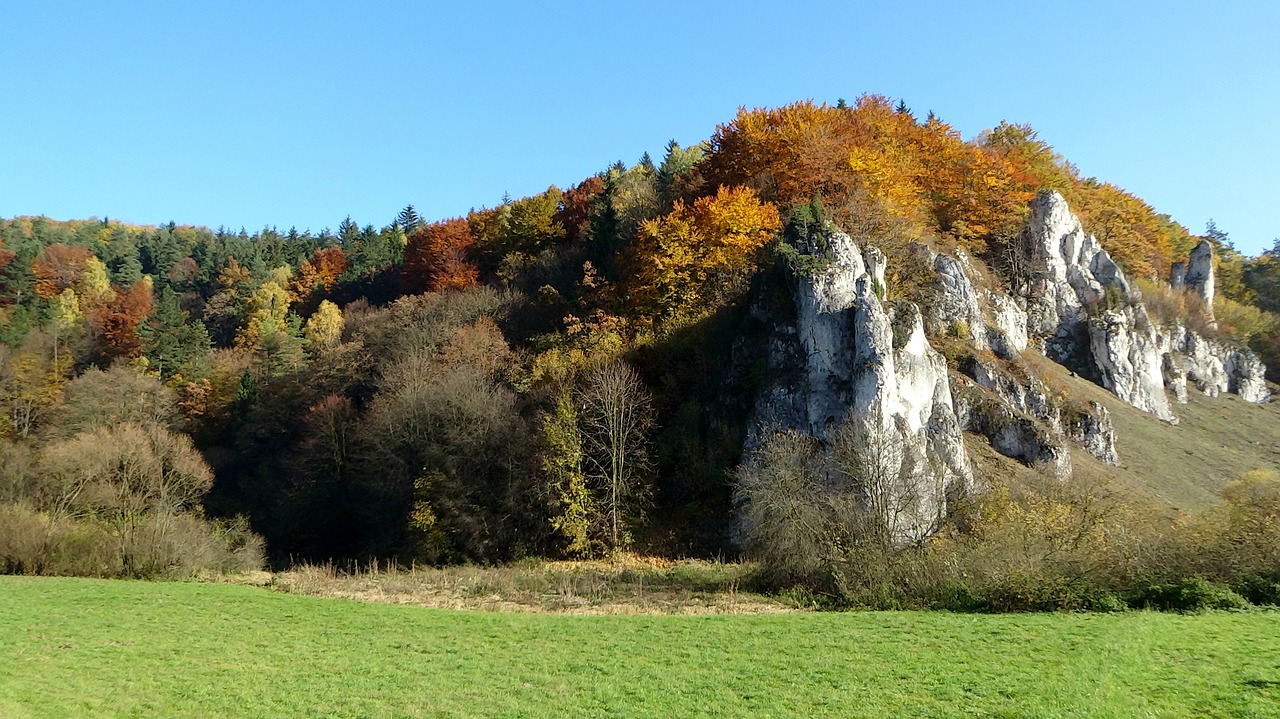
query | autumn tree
[124, 476]
[573, 508]
[58, 267]
[32, 378]
[786, 153]
[120, 321]
[324, 327]
[322, 270]
[439, 257]
[576, 207]
[688, 258]
[107, 398]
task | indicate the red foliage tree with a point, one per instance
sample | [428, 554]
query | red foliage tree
[576, 205]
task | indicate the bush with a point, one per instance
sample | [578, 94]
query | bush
[1029, 593]
[163, 547]
[1194, 594]
[1259, 590]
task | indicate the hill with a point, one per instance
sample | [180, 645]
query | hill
[843, 314]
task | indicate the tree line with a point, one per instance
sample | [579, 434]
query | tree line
[562, 374]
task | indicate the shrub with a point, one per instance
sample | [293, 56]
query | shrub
[1259, 590]
[1032, 593]
[1193, 594]
[163, 547]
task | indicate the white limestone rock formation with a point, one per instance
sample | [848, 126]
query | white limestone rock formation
[1212, 366]
[1070, 274]
[1008, 330]
[1010, 431]
[1246, 376]
[1202, 361]
[1025, 395]
[1126, 350]
[1086, 313]
[1199, 278]
[1002, 328]
[1095, 431]
[848, 359]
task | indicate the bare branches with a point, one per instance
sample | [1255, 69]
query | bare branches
[616, 414]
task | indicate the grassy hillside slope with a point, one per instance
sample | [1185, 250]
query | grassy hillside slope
[1182, 466]
[90, 648]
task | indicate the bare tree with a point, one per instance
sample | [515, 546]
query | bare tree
[899, 488]
[785, 507]
[124, 476]
[807, 508]
[1014, 263]
[616, 414]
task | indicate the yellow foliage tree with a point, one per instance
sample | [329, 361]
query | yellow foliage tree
[268, 310]
[687, 259]
[95, 282]
[324, 327]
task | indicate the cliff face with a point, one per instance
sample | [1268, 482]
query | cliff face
[1084, 312]
[851, 355]
[849, 359]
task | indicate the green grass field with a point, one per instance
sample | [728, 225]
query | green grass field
[89, 648]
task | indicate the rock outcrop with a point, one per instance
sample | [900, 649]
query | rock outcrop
[1199, 278]
[849, 359]
[1024, 420]
[1126, 351]
[1246, 376]
[1070, 275]
[1012, 433]
[1085, 314]
[1094, 431]
[1002, 327]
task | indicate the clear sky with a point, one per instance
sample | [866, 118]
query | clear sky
[249, 114]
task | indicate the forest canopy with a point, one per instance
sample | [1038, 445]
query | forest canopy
[549, 376]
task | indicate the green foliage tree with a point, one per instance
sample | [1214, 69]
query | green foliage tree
[574, 512]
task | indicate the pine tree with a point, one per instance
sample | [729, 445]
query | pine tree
[409, 220]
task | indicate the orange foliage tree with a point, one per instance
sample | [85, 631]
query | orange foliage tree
[58, 267]
[923, 172]
[439, 257]
[1135, 235]
[322, 270]
[119, 321]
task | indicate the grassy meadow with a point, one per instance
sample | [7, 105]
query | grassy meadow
[104, 648]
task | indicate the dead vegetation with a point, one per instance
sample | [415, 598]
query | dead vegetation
[626, 585]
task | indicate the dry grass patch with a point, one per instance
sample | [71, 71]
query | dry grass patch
[626, 585]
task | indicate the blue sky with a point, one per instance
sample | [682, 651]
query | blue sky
[248, 114]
